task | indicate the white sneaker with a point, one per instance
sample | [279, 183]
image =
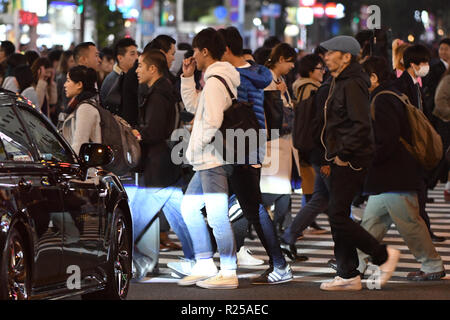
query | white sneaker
[244, 258]
[388, 268]
[340, 284]
[202, 270]
[220, 281]
[182, 267]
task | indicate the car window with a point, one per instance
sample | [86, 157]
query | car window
[49, 145]
[13, 137]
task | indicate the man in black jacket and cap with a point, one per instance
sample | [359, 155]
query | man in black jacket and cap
[348, 141]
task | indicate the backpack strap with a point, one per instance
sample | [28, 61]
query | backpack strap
[233, 98]
[302, 88]
[402, 97]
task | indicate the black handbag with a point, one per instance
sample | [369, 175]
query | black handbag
[274, 111]
[239, 115]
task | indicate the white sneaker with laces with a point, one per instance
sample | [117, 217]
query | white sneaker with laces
[340, 284]
[220, 281]
[244, 258]
[200, 271]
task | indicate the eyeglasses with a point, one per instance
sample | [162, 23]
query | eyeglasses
[320, 68]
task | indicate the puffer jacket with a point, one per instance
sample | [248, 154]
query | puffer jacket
[348, 132]
[253, 81]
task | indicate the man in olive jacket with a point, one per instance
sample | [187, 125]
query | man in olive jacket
[348, 141]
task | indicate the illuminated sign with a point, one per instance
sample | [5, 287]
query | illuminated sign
[37, 6]
[29, 18]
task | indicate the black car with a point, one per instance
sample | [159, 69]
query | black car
[65, 225]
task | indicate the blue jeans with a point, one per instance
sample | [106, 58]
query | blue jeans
[317, 204]
[146, 204]
[210, 188]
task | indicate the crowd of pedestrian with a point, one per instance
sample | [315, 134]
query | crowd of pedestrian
[361, 147]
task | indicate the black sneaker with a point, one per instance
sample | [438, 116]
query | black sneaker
[274, 276]
[290, 250]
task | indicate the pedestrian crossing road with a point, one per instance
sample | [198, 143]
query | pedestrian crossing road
[319, 249]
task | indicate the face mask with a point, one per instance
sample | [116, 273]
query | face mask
[423, 71]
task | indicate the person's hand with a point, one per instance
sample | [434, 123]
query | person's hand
[340, 163]
[282, 87]
[189, 67]
[136, 134]
[325, 171]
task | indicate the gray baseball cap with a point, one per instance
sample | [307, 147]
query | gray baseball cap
[343, 44]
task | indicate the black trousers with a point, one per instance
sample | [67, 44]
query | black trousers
[244, 182]
[348, 235]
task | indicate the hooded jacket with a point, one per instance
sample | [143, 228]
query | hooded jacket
[253, 81]
[348, 132]
[156, 123]
[307, 85]
[208, 107]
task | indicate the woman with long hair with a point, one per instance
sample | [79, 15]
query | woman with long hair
[82, 124]
[276, 187]
[45, 85]
[66, 63]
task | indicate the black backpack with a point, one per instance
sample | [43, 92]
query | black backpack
[239, 115]
[117, 134]
[306, 129]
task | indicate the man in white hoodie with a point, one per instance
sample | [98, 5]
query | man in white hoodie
[209, 186]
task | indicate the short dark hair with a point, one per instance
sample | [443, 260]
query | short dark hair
[87, 76]
[156, 58]
[308, 64]
[8, 47]
[445, 41]
[31, 57]
[380, 67]
[162, 42]
[281, 50]
[416, 54]
[210, 39]
[16, 59]
[233, 40]
[80, 49]
[184, 46]
[107, 53]
[271, 42]
[54, 55]
[120, 48]
[262, 55]
[24, 77]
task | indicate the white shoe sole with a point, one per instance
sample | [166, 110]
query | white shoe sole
[341, 288]
[191, 282]
[219, 287]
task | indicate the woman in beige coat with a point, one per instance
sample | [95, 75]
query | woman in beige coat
[277, 168]
[45, 85]
[82, 124]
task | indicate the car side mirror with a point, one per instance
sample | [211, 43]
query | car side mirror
[95, 155]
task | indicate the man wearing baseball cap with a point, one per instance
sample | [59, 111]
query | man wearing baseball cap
[349, 146]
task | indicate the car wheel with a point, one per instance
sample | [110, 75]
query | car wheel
[119, 270]
[15, 273]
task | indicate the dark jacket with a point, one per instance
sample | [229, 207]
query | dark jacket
[156, 123]
[253, 81]
[393, 168]
[405, 84]
[130, 93]
[348, 130]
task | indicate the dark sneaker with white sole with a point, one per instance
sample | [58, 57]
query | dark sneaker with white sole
[422, 276]
[274, 276]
